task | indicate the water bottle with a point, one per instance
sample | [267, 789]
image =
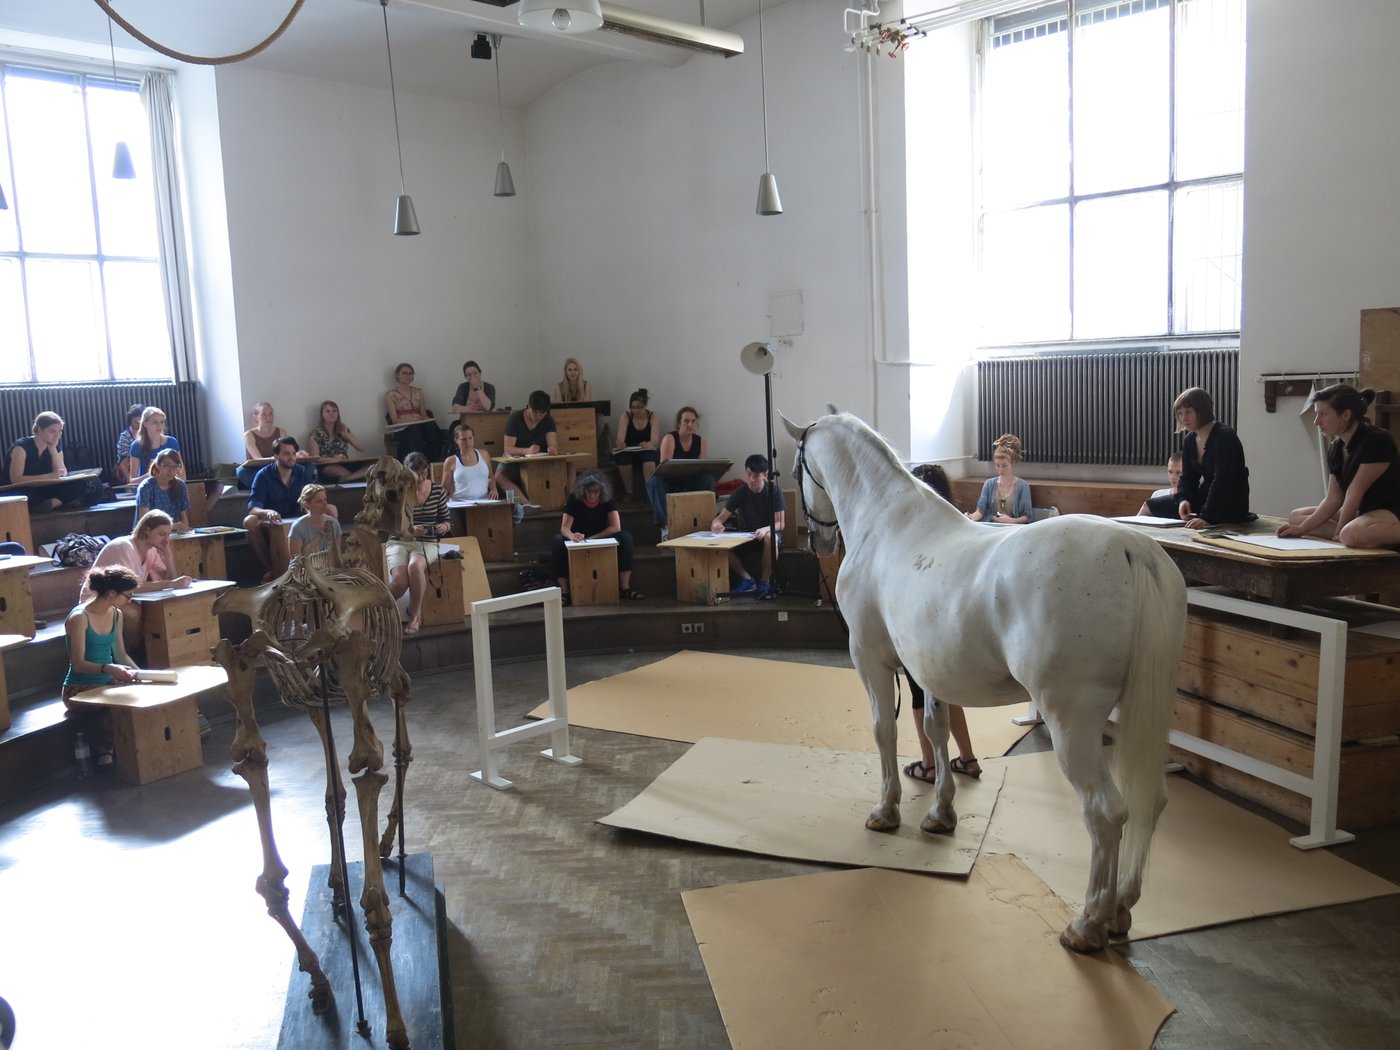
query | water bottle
[83, 755]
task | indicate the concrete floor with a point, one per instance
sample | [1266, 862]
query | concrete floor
[130, 917]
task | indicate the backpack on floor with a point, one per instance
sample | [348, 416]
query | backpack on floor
[77, 551]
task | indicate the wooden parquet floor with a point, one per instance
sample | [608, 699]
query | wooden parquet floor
[129, 917]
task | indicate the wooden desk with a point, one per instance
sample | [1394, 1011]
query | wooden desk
[155, 726]
[702, 565]
[179, 624]
[576, 427]
[545, 477]
[14, 522]
[1286, 582]
[200, 553]
[16, 599]
[67, 479]
[492, 522]
[7, 642]
[490, 430]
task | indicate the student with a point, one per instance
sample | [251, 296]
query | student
[332, 439]
[146, 552]
[529, 431]
[1362, 505]
[1005, 499]
[573, 387]
[406, 403]
[468, 474]
[639, 429]
[150, 439]
[932, 475]
[753, 503]
[39, 458]
[408, 557]
[475, 394]
[1163, 502]
[590, 514]
[96, 647]
[681, 443]
[258, 442]
[163, 490]
[317, 530]
[122, 470]
[274, 497]
[1214, 479]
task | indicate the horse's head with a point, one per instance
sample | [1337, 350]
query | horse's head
[823, 531]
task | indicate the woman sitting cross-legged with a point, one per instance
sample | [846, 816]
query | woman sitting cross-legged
[146, 552]
[38, 458]
[409, 557]
[590, 514]
[163, 490]
[96, 651]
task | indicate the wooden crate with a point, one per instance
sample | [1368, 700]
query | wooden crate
[14, 522]
[16, 597]
[442, 599]
[688, 512]
[199, 556]
[475, 585]
[156, 742]
[7, 641]
[490, 430]
[180, 629]
[493, 527]
[577, 431]
[701, 575]
[593, 575]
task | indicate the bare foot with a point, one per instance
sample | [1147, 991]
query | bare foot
[414, 625]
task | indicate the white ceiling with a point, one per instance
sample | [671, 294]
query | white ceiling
[344, 39]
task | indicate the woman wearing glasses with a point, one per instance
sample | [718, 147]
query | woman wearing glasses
[406, 403]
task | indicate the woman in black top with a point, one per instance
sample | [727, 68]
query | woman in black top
[681, 443]
[640, 431]
[1214, 479]
[1362, 505]
[590, 514]
[38, 458]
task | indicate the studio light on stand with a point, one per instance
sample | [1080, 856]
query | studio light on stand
[769, 203]
[758, 358]
[122, 167]
[405, 218]
[505, 185]
[560, 16]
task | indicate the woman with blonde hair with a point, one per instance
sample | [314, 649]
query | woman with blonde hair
[316, 530]
[573, 387]
[146, 552]
[1005, 499]
[150, 439]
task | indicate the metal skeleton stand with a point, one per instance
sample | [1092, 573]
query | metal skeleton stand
[556, 724]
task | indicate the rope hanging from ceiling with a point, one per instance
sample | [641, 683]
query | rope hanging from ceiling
[201, 60]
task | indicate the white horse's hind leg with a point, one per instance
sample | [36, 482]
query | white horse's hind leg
[879, 683]
[1079, 749]
[941, 816]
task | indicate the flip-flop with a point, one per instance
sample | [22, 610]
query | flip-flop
[965, 768]
[629, 595]
[927, 775]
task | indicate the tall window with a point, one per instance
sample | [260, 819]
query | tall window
[81, 292]
[1112, 159]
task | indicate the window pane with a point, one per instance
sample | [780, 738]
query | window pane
[1025, 111]
[1120, 266]
[1121, 93]
[1208, 257]
[1025, 275]
[125, 207]
[9, 231]
[14, 347]
[65, 310]
[136, 320]
[49, 141]
[1209, 88]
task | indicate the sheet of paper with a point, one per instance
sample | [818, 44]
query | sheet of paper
[702, 535]
[1283, 543]
[1386, 629]
[461, 503]
[1151, 519]
[606, 542]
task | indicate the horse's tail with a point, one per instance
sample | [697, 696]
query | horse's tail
[1145, 705]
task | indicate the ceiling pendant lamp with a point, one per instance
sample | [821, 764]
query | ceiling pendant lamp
[561, 16]
[122, 167]
[405, 218]
[769, 203]
[505, 185]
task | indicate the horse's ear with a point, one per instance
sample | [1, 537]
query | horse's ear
[832, 410]
[794, 431]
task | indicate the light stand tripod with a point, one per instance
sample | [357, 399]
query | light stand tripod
[758, 358]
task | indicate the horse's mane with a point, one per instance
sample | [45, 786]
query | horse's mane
[874, 456]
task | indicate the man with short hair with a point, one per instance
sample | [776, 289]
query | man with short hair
[529, 431]
[275, 491]
[753, 503]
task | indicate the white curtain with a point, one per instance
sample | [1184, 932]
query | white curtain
[175, 272]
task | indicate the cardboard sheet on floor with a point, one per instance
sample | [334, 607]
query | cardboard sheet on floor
[1212, 862]
[803, 802]
[884, 958]
[692, 695]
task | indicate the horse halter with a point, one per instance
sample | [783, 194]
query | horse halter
[800, 471]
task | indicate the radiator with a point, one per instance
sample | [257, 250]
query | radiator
[94, 414]
[1108, 408]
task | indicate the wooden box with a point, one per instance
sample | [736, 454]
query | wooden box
[490, 430]
[593, 575]
[198, 556]
[701, 575]
[180, 629]
[7, 641]
[546, 481]
[16, 597]
[493, 527]
[151, 743]
[577, 431]
[442, 599]
[14, 522]
[475, 586]
[688, 512]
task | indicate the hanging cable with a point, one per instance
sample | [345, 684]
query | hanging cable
[201, 60]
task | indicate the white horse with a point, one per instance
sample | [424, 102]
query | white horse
[1080, 613]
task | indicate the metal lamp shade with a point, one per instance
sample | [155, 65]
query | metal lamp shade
[561, 16]
[405, 218]
[769, 203]
[122, 168]
[505, 185]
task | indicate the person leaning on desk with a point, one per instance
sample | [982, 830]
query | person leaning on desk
[529, 431]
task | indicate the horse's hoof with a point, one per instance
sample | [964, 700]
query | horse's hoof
[881, 819]
[1091, 938]
[937, 826]
[1122, 923]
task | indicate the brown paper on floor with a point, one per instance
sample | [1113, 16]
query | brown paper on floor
[887, 959]
[692, 695]
[806, 803]
[1211, 861]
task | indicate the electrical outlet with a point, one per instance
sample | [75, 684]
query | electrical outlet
[699, 628]
[782, 617]
[685, 628]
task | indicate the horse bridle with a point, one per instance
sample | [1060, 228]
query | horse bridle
[800, 471]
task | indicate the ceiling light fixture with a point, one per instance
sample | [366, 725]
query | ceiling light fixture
[505, 185]
[405, 218]
[122, 167]
[769, 203]
[561, 16]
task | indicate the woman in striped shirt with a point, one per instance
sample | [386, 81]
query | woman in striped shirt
[408, 557]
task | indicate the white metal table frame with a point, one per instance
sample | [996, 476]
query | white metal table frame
[556, 723]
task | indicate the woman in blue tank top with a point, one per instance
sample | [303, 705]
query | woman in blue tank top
[96, 652]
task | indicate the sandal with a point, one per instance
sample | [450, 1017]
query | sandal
[919, 771]
[414, 626]
[967, 769]
[629, 595]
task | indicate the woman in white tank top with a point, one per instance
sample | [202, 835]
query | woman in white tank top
[468, 474]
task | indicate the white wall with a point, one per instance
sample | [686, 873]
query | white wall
[1321, 226]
